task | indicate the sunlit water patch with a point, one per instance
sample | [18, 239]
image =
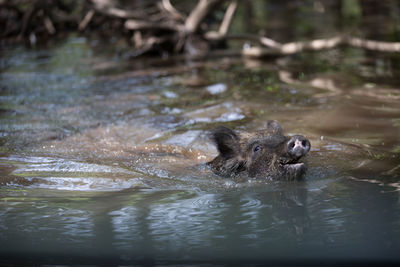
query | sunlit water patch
[62, 174]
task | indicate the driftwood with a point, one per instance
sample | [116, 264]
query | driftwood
[202, 9]
[276, 49]
[183, 26]
[24, 19]
[159, 26]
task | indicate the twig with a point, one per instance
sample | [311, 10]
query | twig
[244, 36]
[86, 20]
[49, 25]
[197, 15]
[226, 22]
[133, 24]
[147, 45]
[107, 8]
[167, 6]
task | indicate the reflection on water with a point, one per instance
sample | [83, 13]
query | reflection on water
[286, 221]
[98, 167]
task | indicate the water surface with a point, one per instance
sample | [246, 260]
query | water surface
[102, 158]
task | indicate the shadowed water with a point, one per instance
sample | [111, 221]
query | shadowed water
[103, 161]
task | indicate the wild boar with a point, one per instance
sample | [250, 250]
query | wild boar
[266, 153]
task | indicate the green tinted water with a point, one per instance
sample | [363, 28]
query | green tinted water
[101, 158]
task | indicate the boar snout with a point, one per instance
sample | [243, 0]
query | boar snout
[298, 146]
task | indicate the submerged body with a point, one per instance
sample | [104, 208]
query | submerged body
[266, 153]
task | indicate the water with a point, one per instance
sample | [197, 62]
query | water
[102, 159]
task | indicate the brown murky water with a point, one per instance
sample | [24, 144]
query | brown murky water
[102, 159]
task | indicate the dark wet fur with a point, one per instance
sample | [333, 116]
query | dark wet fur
[266, 153]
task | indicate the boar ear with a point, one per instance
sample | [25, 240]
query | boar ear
[274, 127]
[227, 142]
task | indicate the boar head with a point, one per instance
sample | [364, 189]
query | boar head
[266, 153]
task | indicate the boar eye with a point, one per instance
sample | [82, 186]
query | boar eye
[257, 148]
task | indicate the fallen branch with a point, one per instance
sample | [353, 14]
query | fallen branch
[168, 7]
[314, 45]
[132, 24]
[147, 45]
[202, 9]
[106, 7]
[156, 25]
[267, 42]
[373, 45]
[275, 49]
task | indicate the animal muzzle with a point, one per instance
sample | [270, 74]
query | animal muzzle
[298, 146]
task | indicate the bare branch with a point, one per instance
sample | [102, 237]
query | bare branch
[147, 45]
[244, 36]
[49, 25]
[320, 44]
[31, 18]
[133, 24]
[374, 45]
[167, 6]
[106, 7]
[226, 22]
[197, 15]
[86, 20]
